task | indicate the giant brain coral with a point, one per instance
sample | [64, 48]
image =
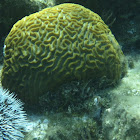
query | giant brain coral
[59, 44]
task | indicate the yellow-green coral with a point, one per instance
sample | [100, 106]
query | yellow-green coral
[59, 44]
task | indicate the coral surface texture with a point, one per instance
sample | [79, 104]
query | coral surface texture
[56, 45]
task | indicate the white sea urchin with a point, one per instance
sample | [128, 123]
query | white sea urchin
[12, 117]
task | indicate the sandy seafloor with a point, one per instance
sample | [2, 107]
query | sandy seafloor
[121, 121]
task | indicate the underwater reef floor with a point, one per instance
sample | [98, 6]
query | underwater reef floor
[118, 120]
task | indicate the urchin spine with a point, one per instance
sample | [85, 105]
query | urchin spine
[12, 117]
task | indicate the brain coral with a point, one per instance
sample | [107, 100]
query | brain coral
[59, 44]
